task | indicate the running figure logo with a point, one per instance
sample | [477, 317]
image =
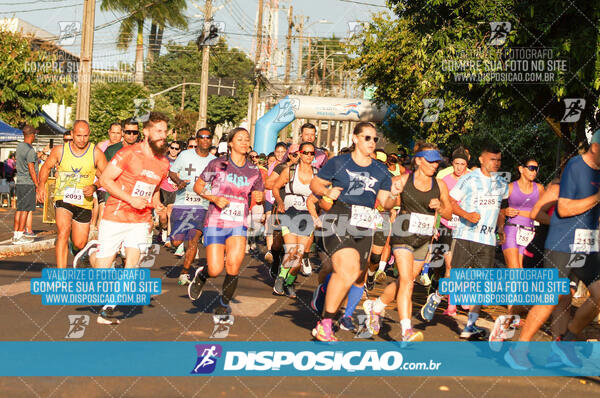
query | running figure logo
[577, 260]
[360, 182]
[287, 110]
[431, 110]
[573, 109]
[68, 32]
[350, 107]
[207, 358]
[77, 325]
[499, 34]
[437, 254]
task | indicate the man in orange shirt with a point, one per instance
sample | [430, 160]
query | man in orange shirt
[132, 179]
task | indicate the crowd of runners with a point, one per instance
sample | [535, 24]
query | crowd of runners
[370, 217]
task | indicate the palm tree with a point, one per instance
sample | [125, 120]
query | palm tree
[163, 13]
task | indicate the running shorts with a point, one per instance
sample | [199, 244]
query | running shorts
[511, 231]
[590, 272]
[469, 254]
[102, 196]
[112, 234]
[297, 222]
[419, 252]
[25, 197]
[185, 221]
[80, 215]
[167, 197]
[216, 235]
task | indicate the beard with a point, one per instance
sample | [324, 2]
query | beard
[159, 147]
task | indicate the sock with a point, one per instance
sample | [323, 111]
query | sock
[391, 261]
[382, 265]
[289, 279]
[370, 273]
[229, 286]
[18, 235]
[378, 305]
[111, 306]
[437, 296]
[472, 318]
[425, 269]
[405, 323]
[354, 296]
[283, 272]
[328, 315]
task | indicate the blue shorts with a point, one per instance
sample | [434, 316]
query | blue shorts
[185, 221]
[216, 235]
[268, 206]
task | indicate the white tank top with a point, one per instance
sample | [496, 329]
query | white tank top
[301, 191]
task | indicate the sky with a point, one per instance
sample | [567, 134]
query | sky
[238, 15]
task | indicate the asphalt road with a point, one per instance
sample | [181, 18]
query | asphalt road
[259, 316]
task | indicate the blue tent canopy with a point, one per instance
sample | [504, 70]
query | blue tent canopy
[8, 133]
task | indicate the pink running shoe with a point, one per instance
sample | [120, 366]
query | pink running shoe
[323, 331]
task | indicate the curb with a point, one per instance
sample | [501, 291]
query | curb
[27, 248]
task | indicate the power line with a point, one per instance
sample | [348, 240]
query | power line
[364, 4]
[41, 9]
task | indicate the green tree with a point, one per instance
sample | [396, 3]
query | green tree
[406, 58]
[112, 102]
[28, 80]
[162, 13]
[183, 63]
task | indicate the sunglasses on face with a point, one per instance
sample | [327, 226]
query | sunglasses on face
[370, 137]
[204, 136]
[309, 153]
[174, 147]
[134, 132]
[294, 154]
[532, 167]
[253, 156]
[192, 146]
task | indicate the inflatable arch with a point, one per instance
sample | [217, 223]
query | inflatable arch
[304, 107]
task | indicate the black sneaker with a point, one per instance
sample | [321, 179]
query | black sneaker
[274, 270]
[195, 288]
[370, 284]
[289, 291]
[346, 323]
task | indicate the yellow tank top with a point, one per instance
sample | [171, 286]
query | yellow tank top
[73, 174]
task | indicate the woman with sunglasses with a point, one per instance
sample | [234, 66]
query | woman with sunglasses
[356, 182]
[232, 180]
[523, 194]
[297, 222]
[423, 197]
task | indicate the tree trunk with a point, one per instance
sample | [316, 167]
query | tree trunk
[139, 54]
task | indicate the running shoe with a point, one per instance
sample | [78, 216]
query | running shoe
[370, 283]
[180, 251]
[372, 321]
[451, 310]
[323, 331]
[278, 287]
[106, 317]
[497, 334]
[428, 310]
[222, 308]
[346, 323]
[22, 240]
[184, 279]
[472, 331]
[289, 291]
[424, 280]
[318, 300]
[274, 270]
[306, 268]
[553, 361]
[269, 257]
[29, 234]
[195, 288]
[380, 276]
[517, 359]
[82, 259]
[412, 335]
[566, 352]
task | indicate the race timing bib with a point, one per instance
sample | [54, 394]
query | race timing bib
[487, 202]
[421, 224]
[454, 222]
[362, 217]
[524, 236]
[193, 199]
[73, 195]
[234, 211]
[586, 241]
[143, 190]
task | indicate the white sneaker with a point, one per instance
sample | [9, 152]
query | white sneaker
[180, 251]
[306, 267]
[424, 280]
[164, 235]
[184, 279]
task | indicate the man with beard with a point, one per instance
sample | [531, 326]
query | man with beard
[132, 179]
[77, 163]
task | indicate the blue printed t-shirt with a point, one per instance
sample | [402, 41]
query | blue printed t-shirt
[567, 234]
[479, 193]
[360, 184]
[189, 165]
[235, 184]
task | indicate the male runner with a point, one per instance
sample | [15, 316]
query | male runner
[77, 163]
[189, 208]
[115, 135]
[480, 194]
[574, 232]
[131, 178]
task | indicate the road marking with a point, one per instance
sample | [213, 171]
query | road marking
[14, 288]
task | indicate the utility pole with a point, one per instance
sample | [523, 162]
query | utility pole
[288, 49]
[300, 43]
[182, 94]
[203, 103]
[85, 67]
[257, 70]
[324, 67]
[309, 70]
